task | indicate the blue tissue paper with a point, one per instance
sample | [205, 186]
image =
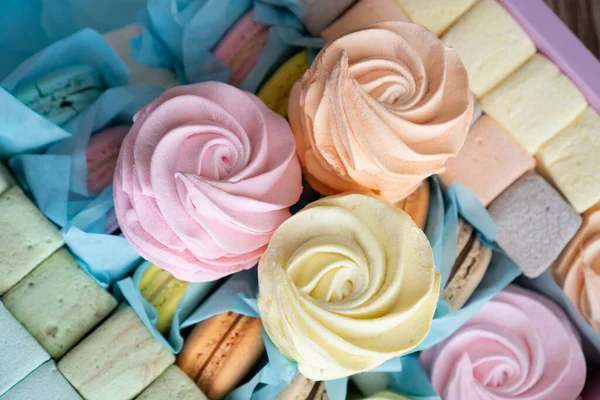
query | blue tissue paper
[441, 230]
[182, 35]
[128, 289]
[30, 25]
[57, 182]
[239, 294]
[412, 380]
[51, 165]
[107, 258]
[57, 178]
[84, 47]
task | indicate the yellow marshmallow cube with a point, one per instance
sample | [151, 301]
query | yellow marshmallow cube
[490, 43]
[436, 15]
[534, 103]
[572, 159]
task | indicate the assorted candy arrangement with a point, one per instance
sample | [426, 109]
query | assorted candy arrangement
[303, 200]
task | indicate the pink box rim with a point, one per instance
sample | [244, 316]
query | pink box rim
[556, 41]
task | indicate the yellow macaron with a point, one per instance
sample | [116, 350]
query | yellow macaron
[276, 91]
[164, 292]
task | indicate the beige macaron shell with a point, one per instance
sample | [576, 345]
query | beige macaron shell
[465, 231]
[468, 275]
[303, 388]
[220, 351]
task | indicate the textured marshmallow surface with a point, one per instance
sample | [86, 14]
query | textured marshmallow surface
[535, 223]
[173, 384]
[534, 103]
[116, 361]
[572, 159]
[19, 352]
[363, 14]
[6, 179]
[26, 237]
[59, 303]
[46, 382]
[490, 43]
[436, 15]
[490, 160]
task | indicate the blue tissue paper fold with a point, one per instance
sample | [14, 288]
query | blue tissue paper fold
[51, 164]
[239, 294]
[57, 178]
[84, 47]
[30, 25]
[107, 258]
[412, 380]
[441, 230]
[128, 289]
[182, 35]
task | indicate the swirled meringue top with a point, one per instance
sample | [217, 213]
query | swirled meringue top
[380, 109]
[204, 177]
[346, 284]
[520, 345]
[578, 270]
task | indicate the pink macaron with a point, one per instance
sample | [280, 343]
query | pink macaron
[101, 153]
[242, 46]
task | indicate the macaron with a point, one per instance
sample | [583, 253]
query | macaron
[369, 383]
[173, 384]
[220, 351]
[6, 179]
[275, 92]
[117, 361]
[302, 388]
[46, 382]
[26, 237]
[59, 303]
[165, 293]
[417, 204]
[473, 259]
[387, 395]
[20, 353]
[101, 154]
[242, 46]
[62, 94]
